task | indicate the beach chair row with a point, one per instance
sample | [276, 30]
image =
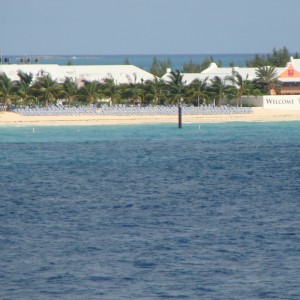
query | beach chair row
[55, 110]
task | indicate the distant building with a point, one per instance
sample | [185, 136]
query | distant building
[212, 71]
[290, 78]
[287, 97]
[12, 70]
[119, 73]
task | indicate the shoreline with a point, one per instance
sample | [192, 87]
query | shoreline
[258, 115]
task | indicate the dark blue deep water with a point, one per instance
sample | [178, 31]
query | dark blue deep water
[150, 212]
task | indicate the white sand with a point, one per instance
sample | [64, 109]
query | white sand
[258, 115]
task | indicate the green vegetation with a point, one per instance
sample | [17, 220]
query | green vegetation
[8, 91]
[278, 58]
[221, 90]
[126, 61]
[158, 67]
[192, 67]
[198, 91]
[267, 79]
[44, 91]
[70, 90]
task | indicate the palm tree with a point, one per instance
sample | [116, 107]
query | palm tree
[131, 90]
[243, 87]
[198, 89]
[220, 89]
[176, 86]
[156, 89]
[90, 91]
[110, 89]
[47, 89]
[70, 90]
[141, 92]
[24, 89]
[7, 90]
[267, 79]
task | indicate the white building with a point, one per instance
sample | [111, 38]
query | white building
[80, 73]
[37, 71]
[222, 72]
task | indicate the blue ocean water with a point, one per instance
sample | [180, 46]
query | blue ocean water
[208, 211]
[143, 61]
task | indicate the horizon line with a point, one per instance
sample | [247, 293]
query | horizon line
[135, 54]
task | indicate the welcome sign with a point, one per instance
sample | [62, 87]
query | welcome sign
[282, 102]
[289, 102]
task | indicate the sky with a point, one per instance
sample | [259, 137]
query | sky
[79, 27]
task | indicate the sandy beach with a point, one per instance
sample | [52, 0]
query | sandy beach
[258, 115]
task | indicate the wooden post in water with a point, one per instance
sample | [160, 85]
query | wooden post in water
[179, 114]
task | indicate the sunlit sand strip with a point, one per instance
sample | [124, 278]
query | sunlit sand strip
[258, 115]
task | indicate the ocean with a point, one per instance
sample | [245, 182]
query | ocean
[209, 211]
[142, 61]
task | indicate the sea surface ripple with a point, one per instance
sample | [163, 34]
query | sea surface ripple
[150, 212]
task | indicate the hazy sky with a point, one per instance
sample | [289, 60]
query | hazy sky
[148, 26]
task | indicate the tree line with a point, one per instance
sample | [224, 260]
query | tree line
[159, 66]
[277, 58]
[45, 90]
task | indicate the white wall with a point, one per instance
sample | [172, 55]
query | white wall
[289, 102]
[253, 101]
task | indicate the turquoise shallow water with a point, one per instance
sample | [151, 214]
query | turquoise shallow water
[150, 211]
